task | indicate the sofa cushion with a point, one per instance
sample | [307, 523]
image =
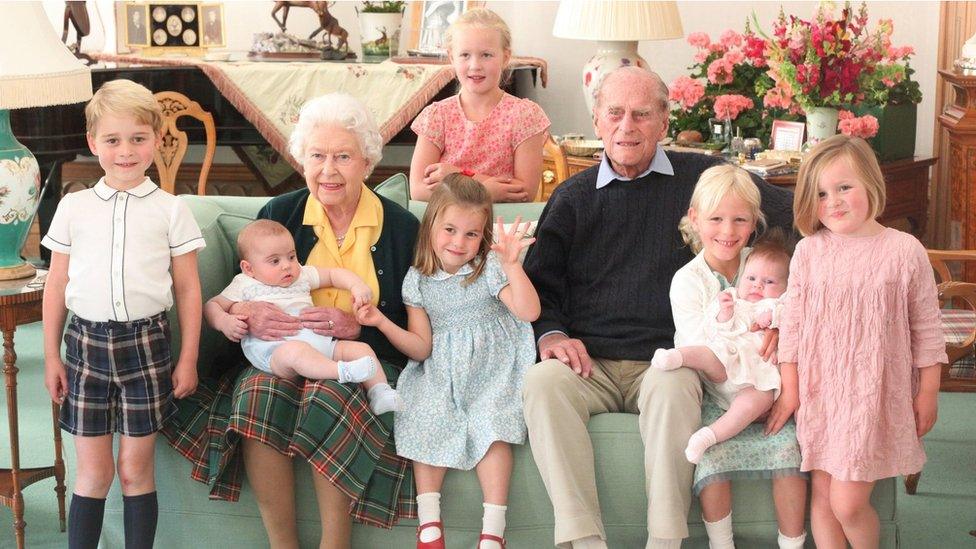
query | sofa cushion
[396, 188]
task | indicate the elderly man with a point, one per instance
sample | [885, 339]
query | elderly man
[608, 245]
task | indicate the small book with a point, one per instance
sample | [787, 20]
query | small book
[766, 166]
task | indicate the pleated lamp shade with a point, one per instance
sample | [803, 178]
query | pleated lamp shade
[617, 25]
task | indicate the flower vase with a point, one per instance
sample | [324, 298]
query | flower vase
[821, 124]
[379, 34]
[20, 185]
[896, 130]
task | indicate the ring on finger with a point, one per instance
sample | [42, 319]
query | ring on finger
[331, 325]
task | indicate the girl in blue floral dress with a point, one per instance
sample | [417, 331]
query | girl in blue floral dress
[469, 305]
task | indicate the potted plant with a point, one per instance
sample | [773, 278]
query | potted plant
[379, 28]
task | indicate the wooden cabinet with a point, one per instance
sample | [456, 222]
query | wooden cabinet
[906, 184]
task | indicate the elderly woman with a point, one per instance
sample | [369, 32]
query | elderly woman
[336, 222]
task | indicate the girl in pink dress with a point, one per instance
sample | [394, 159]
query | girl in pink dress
[482, 132]
[862, 331]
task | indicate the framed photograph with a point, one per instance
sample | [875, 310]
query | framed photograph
[213, 25]
[136, 25]
[787, 136]
[429, 21]
[158, 27]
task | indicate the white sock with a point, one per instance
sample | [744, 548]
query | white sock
[720, 533]
[663, 543]
[786, 542]
[590, 542]
[383, 399]
[355, 371]
[493, 522]
[667, 359]
[429, 510]
[701, 440]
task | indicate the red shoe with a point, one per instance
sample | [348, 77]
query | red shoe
[437, 543]
[491, 537]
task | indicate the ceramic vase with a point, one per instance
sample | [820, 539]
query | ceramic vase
[379, 34]
[20, 185]
[821, 124]
[609, 55]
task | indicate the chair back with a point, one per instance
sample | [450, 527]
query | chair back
[553, 177]
[170, 154]
[958, 303]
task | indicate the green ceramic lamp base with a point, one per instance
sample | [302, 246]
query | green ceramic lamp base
[20, 182]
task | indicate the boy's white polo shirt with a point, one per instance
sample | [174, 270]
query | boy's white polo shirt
[121, 244]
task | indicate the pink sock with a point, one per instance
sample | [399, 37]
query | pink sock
[666, 359]
[701, 440]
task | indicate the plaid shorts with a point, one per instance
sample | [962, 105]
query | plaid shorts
[118, 377]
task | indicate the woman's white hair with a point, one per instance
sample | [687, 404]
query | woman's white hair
[345, 111]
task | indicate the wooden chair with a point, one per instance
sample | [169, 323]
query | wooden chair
[958, 303]
[170, 154]
[559, 172]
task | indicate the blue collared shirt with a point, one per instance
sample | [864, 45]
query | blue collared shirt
[659, 164]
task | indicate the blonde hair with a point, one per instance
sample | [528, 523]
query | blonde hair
[257, 229]
[806, 196]
[713, 186]
[464, 192]
[480, 17]
[123, 98]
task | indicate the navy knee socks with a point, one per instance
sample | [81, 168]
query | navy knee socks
[85, 522]
[139, 514]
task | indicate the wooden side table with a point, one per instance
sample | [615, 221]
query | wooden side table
[906, 184]
[20, 303]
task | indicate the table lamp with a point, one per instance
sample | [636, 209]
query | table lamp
[616, 26]
[36, 70]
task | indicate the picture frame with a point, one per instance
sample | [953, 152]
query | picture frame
[787, 136]
[170, 26]
[212, 19]
[429, 21]
[136, 25]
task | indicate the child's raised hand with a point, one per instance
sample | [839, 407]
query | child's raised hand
[764, 319]
[511, 243]
[361, 295]
[234, 327]
[55, 379]
[369, 315]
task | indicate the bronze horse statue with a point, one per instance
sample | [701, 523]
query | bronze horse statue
[327, 22]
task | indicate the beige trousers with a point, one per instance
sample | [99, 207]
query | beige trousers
[558, 405]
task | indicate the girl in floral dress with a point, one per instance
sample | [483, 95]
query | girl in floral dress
[723, 214]
[862, 332]
[469, 305]
[482, 132]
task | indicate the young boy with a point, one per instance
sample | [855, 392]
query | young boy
[113, 247]
[271, 273]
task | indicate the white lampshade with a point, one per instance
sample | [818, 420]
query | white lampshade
[617, 20]
[617, 26]
[36, 68]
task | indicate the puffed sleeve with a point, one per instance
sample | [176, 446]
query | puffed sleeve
[58, 237]
[792, 313]
[184, 233]
[430, 124]
[411, 289]
[235, 290]
[688, 308]
[924, 317]
[530, 121]
[494, 275]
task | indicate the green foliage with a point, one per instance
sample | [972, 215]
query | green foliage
[383, 6]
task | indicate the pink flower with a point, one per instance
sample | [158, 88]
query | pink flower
[730, 106]
[864, 126]
[903, 52]
[701, 56]
[734, 56]
[720, 72]
[730, 39]
[686, 91]
[778, 97]
[699, 40]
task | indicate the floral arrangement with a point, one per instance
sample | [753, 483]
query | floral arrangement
[727, 82]
[837, 61]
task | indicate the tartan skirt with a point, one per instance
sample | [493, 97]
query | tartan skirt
[327, 423]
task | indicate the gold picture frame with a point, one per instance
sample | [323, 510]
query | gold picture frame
[171, 27]
[212, 31]
[429, 21]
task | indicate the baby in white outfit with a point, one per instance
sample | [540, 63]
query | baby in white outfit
[271, 273]
[734, 373]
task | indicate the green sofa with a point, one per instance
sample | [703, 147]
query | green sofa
[187, 518]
